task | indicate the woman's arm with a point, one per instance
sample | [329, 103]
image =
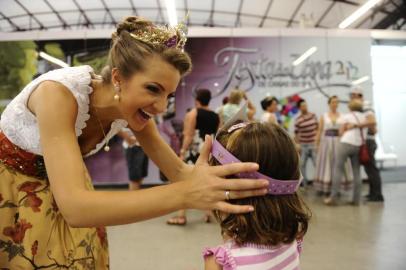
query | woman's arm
[251, 108]
[319, 131]
[56, 110]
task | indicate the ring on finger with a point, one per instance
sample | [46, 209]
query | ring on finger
[227, 193]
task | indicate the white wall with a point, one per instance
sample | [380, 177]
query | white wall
[389, 88]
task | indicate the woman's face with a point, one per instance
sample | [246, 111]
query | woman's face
[146, 93]
[333, 104]
[274, 106]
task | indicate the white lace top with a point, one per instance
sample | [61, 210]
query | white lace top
[20, 125]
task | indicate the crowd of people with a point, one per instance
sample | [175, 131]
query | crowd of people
[332, 141]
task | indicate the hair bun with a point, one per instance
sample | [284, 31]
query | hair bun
[130, 24]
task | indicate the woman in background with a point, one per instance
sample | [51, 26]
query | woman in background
[327, 141]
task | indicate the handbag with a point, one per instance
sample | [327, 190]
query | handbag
[364, 157]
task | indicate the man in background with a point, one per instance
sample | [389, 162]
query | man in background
[306, 126]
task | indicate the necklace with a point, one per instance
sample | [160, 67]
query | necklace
[106, 147]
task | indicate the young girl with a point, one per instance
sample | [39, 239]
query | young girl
[269, 237]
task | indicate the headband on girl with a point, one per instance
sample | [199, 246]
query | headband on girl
[223, 156]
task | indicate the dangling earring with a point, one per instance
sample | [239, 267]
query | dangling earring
[117, 96]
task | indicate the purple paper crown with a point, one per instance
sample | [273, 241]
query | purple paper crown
[276, 187]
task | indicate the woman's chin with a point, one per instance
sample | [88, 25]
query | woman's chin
[137, 126]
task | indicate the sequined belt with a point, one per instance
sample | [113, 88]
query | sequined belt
[20, 160]
[331, 133]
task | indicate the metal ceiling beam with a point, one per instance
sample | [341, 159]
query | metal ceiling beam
[16, 27]
[106, 8]
[88, 22]
[265, 16]
[30, 14]
[187, 13]
[238, 19]
[392, 18]
[65, 25]
[325, 13]
[294, 13]
[133, 8]
[160, 14]
[210, 21]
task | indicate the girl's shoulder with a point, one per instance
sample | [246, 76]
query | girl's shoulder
[222, 256]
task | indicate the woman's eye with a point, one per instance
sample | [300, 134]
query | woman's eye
[153, 88]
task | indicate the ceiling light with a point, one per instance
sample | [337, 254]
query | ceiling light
[171, 10]
[52, 59]
[304, 56]
[358, 13]
[360, 80]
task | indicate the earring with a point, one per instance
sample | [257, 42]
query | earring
[117, 96]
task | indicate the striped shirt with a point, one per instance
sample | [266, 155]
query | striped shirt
[255, 257]
[306, 128]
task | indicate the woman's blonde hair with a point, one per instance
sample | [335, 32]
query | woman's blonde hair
[129, 54]
[277, 218]
[235, 96]
[355, 105]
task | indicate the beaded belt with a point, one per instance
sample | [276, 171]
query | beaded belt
[331, 133]
[20, 160]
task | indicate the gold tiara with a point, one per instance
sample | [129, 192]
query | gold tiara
[169, 36]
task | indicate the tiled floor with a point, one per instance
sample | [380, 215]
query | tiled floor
[372, 236]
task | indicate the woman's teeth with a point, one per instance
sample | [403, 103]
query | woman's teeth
[145, 115]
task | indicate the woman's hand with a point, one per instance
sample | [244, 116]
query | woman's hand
[205, 186]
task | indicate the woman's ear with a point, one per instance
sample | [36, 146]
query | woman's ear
[115, 76]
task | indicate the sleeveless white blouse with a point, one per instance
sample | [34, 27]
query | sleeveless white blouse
[20, 125]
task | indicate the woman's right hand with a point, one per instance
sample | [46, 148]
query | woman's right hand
[205, 186]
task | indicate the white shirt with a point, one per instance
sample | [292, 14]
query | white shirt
[353, 136]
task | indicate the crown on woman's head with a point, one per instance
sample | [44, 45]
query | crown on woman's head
[169, 36]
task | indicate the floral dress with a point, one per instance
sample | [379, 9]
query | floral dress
[33, 232]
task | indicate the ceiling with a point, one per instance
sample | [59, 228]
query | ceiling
[23, 15]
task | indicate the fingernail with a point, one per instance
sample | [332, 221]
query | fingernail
[265, 191]
[255, 166]
[251, 209]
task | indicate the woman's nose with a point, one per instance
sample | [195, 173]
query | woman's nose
[161, 105]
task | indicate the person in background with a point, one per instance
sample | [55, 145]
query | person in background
[372, 171]
[137, 160]
[351, 133]
[198, 123]
[270, 106]
[270, 237]
[327, 141]
[233, 106]
[223, 102]
[306, 126]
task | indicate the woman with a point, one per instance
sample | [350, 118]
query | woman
[352, 132]
[270, 106]
[49, 211]
[233, 106]
[327, 141]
